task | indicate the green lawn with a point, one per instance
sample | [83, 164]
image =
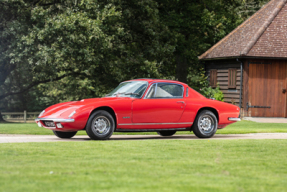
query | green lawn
[253, 127]
[236, 128]
[145, 165]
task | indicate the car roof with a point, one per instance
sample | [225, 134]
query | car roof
[149, 80]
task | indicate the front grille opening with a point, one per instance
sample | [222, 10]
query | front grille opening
[49, 123]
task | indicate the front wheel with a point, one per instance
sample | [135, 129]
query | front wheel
[101, 125]
[65, 135]
[205, 125]
[166, 133]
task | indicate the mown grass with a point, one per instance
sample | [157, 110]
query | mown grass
[253, 127]
[145, 165]
[236, 128]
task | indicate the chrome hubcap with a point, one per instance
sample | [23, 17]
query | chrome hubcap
[101, 125]
[206, 124]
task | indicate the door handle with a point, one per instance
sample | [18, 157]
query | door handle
[283, 90]
[182, 103]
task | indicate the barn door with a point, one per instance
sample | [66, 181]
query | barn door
[267, 87]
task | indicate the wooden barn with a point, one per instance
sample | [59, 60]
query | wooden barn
[249, 64]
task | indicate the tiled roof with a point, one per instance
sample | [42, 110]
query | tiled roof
[262, 35]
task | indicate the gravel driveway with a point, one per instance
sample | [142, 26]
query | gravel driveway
[7, 138]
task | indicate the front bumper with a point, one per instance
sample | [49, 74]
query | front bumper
[56, 120]
[234, 119]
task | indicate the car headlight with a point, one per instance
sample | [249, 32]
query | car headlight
[41, 113]
[73, 113]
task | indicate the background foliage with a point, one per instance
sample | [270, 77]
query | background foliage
[56, 50]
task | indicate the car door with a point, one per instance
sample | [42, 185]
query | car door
[163, 103]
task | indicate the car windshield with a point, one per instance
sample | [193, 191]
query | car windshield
[129, 89]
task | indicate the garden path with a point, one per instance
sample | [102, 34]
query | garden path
[9, 138]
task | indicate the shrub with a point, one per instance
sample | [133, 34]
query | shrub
[208, 92]
[198, 81]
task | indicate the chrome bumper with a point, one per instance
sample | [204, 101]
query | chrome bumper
[56, 120]
[234, 119]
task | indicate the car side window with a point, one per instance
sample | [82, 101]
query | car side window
[150, 93]
[168, 90]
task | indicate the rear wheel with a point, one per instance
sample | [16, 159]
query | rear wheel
[205, 125]
[65, 135]
[101, 125]
[166, 133]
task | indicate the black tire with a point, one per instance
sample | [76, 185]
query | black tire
[105, 122]
[65, 135]
[166, 133]
[205, 125]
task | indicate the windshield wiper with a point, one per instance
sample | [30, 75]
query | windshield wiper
[119, 93]
[124, 93]
[132, 94]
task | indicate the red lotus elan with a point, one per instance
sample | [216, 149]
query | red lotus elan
[140, 105]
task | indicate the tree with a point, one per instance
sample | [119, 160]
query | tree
[95, 41]
[194, 26]
[77, 49]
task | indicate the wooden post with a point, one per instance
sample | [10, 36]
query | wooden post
[25, 116]
[1, 118]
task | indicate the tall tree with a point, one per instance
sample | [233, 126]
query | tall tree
[194, 26]
[101, 42]
[75, 49]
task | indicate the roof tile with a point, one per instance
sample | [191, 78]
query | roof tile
[273, 41]
[253, 37]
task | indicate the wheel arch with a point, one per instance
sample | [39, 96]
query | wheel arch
[210, 109]
[105, 108]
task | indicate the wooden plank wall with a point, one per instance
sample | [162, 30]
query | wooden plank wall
[230, 95]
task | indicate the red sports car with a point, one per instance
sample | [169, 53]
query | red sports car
[141, 105]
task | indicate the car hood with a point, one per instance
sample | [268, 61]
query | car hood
[95, 100]
[63, 110]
